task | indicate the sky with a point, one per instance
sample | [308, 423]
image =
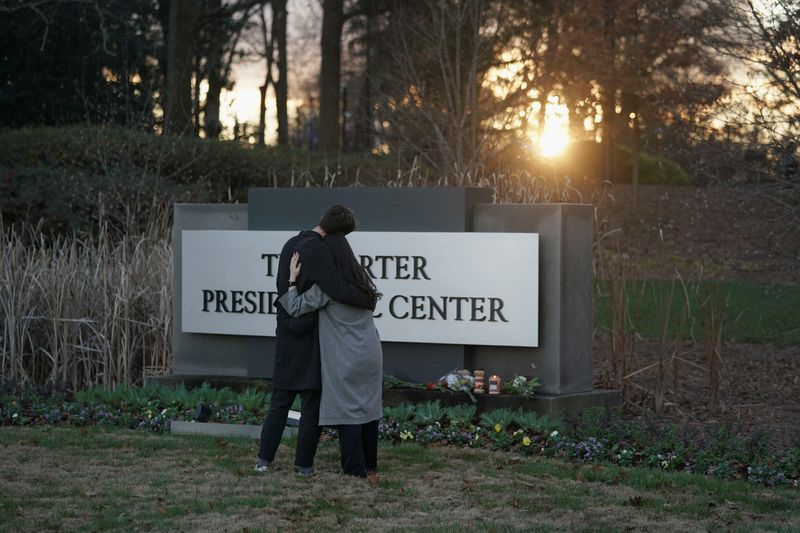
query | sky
[304, 22]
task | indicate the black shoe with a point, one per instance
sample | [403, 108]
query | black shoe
[306, 471]
[372, 477]
[262, 466]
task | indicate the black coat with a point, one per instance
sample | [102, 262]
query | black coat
[297, 364]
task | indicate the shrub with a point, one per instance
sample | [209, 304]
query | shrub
[585, 158]
[63, 175]
[655, 170]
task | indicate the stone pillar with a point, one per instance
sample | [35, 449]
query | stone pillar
[197, 353]
[563, 359]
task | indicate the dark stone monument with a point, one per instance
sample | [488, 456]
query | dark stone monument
[563, 359]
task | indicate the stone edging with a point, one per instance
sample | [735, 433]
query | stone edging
[213, 429]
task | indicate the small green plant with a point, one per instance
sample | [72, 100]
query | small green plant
[530, 421]
[497, 420]
[400, 413]
[429, 413]
[253, 400]
[211, 396]
[461, 416]
[179, 398]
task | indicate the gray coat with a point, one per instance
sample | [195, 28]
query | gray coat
[351, 356]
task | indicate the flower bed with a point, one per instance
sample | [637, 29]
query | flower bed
[595, 436]
[149, 408]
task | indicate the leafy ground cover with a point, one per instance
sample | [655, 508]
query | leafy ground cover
[755, 312]
[95, 479]
[595, 436]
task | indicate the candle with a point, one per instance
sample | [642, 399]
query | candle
[479, 376]
[495, 384]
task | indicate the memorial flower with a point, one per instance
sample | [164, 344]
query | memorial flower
[498, 428]
[524, 386]
[526, 441]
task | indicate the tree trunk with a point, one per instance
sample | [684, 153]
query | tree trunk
[609, 113]
[279, 15]
[183, 15]
[635, 163]
[330, 74]
[262, 115]
[211, 121]
[269, 39]
[609, 93]
[364, 127]
[197, 74]
[216, 70]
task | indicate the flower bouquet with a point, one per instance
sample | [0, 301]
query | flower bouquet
[523, 385]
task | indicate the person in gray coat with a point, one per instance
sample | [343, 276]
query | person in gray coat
[351, 360]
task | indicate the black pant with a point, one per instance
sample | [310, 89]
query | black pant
[358, 445]
[307, 434]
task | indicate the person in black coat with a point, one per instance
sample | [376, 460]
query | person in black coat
[297, 359]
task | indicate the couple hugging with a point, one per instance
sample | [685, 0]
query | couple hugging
[327, 349]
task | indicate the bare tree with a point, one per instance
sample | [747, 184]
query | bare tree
[273, 41]
[762, 38]
[223, 27]
[40, 9]
[432, 99]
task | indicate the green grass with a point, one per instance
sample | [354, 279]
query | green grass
[755, 312]
[207, 484]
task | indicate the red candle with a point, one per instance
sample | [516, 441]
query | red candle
[479, 387]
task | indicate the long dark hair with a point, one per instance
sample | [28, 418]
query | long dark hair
[346, 263]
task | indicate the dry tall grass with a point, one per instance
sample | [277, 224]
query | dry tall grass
[516, 187]
[97, 309]
[714, 307]
[642, 373]
[84, 310]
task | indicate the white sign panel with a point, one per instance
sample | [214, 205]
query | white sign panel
[443, 288]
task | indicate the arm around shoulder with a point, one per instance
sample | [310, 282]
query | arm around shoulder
[296, 304]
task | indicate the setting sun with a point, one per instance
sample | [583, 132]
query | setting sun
[552, 137]
[552, 142]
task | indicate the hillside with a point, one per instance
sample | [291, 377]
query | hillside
[733, 233]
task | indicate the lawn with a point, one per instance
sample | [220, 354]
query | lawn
[755, 312]
[100, 480]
